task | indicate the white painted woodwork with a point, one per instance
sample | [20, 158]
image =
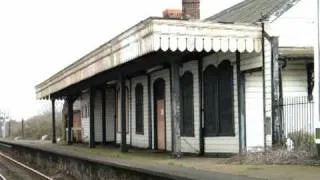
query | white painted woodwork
[140, 140]
[254, 111]
[192, 144]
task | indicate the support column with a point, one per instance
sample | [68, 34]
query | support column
[123, 144]
[69, 121]
[241, 106]
[53, 121]
[91, 109]
[175, 108]
[103, 105]
[149, 112]
[275, 96]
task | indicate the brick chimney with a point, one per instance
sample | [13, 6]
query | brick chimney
[191, 9]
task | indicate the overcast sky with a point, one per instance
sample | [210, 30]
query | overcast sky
[40, 37]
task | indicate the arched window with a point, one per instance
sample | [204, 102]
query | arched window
[139, 108]
[218, 100]
[226, 98]
[211, 106]
[187, 125]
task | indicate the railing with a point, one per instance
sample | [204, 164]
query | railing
[297, 115]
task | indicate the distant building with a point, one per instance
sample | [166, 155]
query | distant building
[191, 9]
[172, 14]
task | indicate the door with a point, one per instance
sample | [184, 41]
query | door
[254, 111]
[160, 124]
[159, 114]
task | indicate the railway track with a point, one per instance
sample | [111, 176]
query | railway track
[11, 169]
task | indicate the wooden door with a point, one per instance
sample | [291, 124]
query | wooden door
[160, 124]
[159, 115]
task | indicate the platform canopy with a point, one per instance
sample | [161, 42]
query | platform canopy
[152, 35]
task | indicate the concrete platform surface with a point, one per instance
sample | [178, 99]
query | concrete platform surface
[185, 168]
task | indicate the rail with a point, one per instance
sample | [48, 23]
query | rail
[25, 167]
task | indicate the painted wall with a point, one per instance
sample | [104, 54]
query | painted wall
[140, 140]
[192, 144]
[254, 111]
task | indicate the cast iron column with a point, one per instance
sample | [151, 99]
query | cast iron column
[175, 108]
[70, 119]
[123, 145]
[53, 122]
[103, 105]
[92, 138]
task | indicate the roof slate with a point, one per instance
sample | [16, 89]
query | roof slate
[252, 11]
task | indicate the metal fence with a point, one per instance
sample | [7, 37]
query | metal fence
[297, 115]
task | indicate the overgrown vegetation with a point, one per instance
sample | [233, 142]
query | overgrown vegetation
[303, 152]
[302, 141]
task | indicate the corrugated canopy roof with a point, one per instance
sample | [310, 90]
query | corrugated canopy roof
[252, 11]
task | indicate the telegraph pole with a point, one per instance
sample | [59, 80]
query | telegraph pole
[22, 129]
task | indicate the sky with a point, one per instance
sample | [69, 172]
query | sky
[40, 37]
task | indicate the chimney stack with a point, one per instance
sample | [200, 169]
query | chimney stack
[191, 9]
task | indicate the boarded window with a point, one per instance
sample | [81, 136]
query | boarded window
[187, 125]
[139, 108]
[218, 100]
[211, 113]
[226, 99]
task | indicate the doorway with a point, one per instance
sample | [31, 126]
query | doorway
[159, 114]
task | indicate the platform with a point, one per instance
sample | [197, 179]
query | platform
[141, 161]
